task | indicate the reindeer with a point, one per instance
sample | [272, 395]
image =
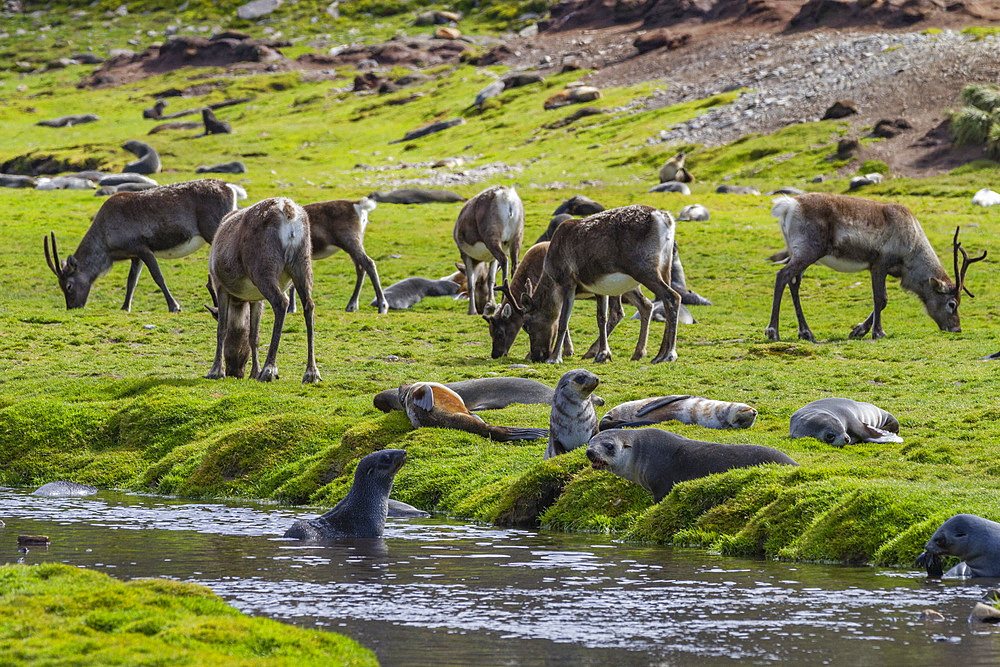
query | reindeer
[257, 252]
[608, 253]
[488, 226]
[169, 221]
[340, 225]
[852, 234]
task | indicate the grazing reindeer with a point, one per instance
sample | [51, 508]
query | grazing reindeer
[608, 253]
[257, 252]
[508, 318]
[169, 221]
[488, 226]
[340, 225]
[852, 234]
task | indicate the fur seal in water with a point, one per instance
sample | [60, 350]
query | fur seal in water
[656, 460]
[686, 409]
[573, 421]
[841, 421]
[363, 510]
[433, 405]
[148, 162]
[400, 510]
[63, 489]
[973, 539]
[483, 394]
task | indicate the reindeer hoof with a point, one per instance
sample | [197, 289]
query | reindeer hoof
[805, 334]
[669, 357]
[878, 334]
[267, 374]
[554, 360]
[604, 355]
[858, 331]
[351, 307]
[311, 377]
[174, 308]
[214, 375]
[771, 333]
[638, 354]
[383, 308]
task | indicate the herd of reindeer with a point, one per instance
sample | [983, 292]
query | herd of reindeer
[259, 252]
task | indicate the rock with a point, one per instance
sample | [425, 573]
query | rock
[107, 190]
[388, 87]
[984, 197]
[32, 541]
[694, 212]
[430, 129]
[493, 56]
[412, 79]
[367, 81]
[736, 190]
[488, 92]
[658, 39]
[59, 63]
[846, 148]
[887, 129]
[840, 109]
[257, 8]
[448, 163]
[333, 10]
[671, 186]
[984, 613]
[14, 181]
[63, 489]
[436, 17]
[570, 65]
[528, 30]
[69, 121]
[234, 167]
[447, 33]
[818, 179]
[875, 177]
[122, 10]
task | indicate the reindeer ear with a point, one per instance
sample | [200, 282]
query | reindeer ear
[489, 309]
[460, 267]
[507, 311]
[70, 264]
[939, 285]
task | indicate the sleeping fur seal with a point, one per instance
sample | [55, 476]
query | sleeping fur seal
[415, 196]
[363, 510]
[408, 292]
[434, 405]
[841, 421]
[572, 421]
[483, 394]
[685, 409]
[656, 460]
[973, 539]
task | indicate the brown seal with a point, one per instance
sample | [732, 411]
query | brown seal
[433, 405]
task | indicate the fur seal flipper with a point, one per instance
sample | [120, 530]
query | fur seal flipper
[841, 421]
[363, 510]
[434, 405]
[973, 539]
[656, 460]
[572, 421]
[684, 408]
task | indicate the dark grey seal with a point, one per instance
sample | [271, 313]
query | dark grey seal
[62, 489]
[401, 510]
[551, 229]
[149, 159]
[416, 196]
[430, 129]
[841, 421]
[736, 190]
[480, 394]
[656, 460]
[363, 510]
[578, 206]
[671, 186]
[69, 121]
[408, 292]
[212, 124]
[234, 167]
[155, 112]
[108, 190]
[973, 539]
[572, 421]
[787, 190]
[118, 179]
[14, 181]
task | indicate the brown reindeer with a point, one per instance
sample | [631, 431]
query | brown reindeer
[853, 234]
[488, 226]
[608, 253]
[168, 222]
[257, 252]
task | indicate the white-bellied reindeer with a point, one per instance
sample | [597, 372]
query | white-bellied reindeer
[489, 226]
[853, 234]
[608, 253]
[340, 224]
[257, 252]
[167, 222]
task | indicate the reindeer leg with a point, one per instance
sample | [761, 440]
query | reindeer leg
[615, 315]
[604, 350]
[569, 294]
[470, 282]
[291, 299]
[368, 264]
[492, 278]
[874, 321]
[352, 303]
[256, 309]
[645, 308]
[793, 289]
[568, 346]
[274, 295]
[671, 304]
[133, 278]
[217, 371]
[302, 279]
[149, 260]
[795, 267]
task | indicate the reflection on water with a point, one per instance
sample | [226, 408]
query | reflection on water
[443, 592]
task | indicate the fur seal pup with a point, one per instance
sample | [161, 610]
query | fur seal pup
[69, 121]
[973, 539]
[736, 190]
[363, 510]
[484, 394]
[673, 170]
[415, 196]
[694, 212]
[656, 460]
[408, 292]
[16, 181]
[841, 421]
[433, 405]
[148, 162]
[234, 167]
[572, 421]
[686, 409]
[118, 179]
[671, 186]
[155, 112]
[63, 489]
[212, 124]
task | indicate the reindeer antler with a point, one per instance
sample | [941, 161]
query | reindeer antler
[56, 267]
[505, 289]
[966, 261]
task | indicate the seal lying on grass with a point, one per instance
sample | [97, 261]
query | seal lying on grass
[363, 510]
[656, 460]
[973, 539]
[434, 405]
[685, 409]
[841, 421]
[483, 394]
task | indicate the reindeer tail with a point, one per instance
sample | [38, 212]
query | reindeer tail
[508, 434]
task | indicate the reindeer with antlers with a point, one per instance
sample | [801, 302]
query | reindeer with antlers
[852, 234]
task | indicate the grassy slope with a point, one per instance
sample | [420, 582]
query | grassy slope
[56, 614]
[94, 396]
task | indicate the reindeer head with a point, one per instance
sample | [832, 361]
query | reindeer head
[540, 324]
[944, 297]
[504, 323]
[74, 285]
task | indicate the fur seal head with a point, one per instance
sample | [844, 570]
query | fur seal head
[973, 539]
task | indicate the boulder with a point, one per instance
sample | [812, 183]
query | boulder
[840, 109]
[887, 129]
[447, 33]
[488, 92]
[658, 39]
[257, 8]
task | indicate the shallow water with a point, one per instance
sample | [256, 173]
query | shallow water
[445, 592]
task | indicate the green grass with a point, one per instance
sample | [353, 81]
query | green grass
[94, 396]
[56, 614]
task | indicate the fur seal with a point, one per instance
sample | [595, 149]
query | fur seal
[118, 179]
[155, 112]
[15, 181]
[415, 196]
[673, 170]
[671, 186]
[63, 489]
[484, 394]
[686, 409]
[572, 421]
[64, 183]
[69, 121]
[656, 460]
[107, 190]
[363, 510]
[694, 212]
[841, 421]
[973, 539]
[433, 405]
[578, 206]
[212, 124]
[736, 190]
[408, 292]
[148, 162]
[234, 167]
[787, 190]
[556, 220]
